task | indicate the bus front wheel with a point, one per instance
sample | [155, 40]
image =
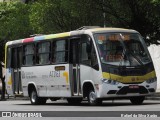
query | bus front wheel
[92, 99]
[35, 100]
[137, 100]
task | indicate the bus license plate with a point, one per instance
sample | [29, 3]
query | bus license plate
[134, 87]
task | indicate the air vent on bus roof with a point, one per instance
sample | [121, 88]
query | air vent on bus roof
[88, 27]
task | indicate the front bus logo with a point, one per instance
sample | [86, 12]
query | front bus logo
[133, 79]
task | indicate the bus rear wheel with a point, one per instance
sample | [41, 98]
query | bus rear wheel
[92, 100]
[35, 100]
[137, 100]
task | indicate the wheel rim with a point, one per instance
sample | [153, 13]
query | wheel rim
[33, 96]
[92, 97]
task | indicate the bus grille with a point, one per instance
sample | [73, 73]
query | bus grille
[126, 90]
[132, 72]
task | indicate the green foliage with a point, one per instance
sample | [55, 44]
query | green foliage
[14, 21]
[49, 16]
[18, 20]
[143, 16]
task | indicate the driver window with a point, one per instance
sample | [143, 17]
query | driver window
[86, 50]
[88, 53]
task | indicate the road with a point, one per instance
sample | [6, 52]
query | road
[63, 110]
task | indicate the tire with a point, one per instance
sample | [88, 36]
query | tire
[92, 100]
[35, 100]
[137, 100]
[74, 101]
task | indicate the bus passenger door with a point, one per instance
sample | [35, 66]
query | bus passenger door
[16, 70]
[74, 67]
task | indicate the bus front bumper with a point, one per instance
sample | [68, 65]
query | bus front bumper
[126, 90]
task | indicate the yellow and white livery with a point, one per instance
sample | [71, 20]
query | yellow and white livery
[97, 63]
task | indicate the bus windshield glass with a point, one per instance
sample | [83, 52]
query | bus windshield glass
[122, 49]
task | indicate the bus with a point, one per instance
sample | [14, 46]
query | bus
[90, 63]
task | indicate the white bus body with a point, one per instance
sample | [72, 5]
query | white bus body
[70, 65]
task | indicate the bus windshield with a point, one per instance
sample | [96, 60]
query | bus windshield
[122, 49]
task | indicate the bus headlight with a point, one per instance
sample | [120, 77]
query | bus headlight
[151, 80]
[108, 81]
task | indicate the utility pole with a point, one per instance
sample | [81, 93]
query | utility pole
[104, 16]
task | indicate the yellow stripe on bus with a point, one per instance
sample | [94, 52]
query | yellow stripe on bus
[129, 79]
[60, 35]
[65, 74]
[5, 55]
[9, 81]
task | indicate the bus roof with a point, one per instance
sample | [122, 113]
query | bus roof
[110, 29]
[67, 34]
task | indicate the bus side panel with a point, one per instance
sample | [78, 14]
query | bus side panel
[59, 84]
[88, 74]
[49, 80]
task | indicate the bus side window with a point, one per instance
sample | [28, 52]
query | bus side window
[14, 58]
[88, 53]
[60, 51]
[84, 55]
[43, 53]
[9, 57]
[86, 50]
[29, 54]
[94, 60]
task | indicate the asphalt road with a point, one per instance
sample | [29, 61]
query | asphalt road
[62, 110]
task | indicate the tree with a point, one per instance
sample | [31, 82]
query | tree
[14, 23]
[143, 16]
[18, 20]
[50, 16]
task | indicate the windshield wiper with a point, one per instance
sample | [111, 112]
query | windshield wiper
[137, 59]
[124, 50]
